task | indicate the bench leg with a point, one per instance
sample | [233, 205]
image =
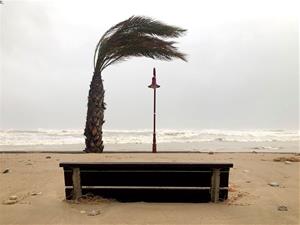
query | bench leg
[215, 185]
[76, 183]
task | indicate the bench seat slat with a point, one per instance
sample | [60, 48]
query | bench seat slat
[147, 187]
[144, 165]
[133, 178]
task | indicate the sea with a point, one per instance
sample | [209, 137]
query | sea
[168, 139]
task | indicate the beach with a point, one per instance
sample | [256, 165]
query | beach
[208, 88]
[37, 181]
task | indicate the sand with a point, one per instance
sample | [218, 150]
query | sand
[251, 199]
[205, 146]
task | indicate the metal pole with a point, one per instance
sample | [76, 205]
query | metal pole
[154, 85]
[154, 121]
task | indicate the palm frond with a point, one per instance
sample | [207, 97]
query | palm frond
[137, 36]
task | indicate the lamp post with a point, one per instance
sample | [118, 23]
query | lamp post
[154, 85]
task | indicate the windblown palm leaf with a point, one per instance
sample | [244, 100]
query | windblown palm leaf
[136, 36]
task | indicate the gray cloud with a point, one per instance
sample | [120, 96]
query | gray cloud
[242, 70]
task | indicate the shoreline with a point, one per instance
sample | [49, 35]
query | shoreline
[172, 147]
[142, 152]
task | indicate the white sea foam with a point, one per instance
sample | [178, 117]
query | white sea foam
[72, 136]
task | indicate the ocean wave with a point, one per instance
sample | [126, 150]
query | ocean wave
[75, 136]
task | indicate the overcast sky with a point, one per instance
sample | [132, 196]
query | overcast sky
[242, 70]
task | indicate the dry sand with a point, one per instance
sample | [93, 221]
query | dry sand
[251, 199]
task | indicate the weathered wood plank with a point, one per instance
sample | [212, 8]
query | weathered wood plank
[144, 165]
[215, 185]
[77, 193]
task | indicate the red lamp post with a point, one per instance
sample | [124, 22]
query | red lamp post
[154, 85]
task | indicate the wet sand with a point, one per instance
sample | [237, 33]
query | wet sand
[216, 146]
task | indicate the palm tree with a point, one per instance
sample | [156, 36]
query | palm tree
[136, 36]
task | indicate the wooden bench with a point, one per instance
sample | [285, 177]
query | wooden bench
[148, 181]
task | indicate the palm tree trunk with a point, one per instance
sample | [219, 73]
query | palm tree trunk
[95, 115]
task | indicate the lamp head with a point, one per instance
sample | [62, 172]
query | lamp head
[154, 85]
